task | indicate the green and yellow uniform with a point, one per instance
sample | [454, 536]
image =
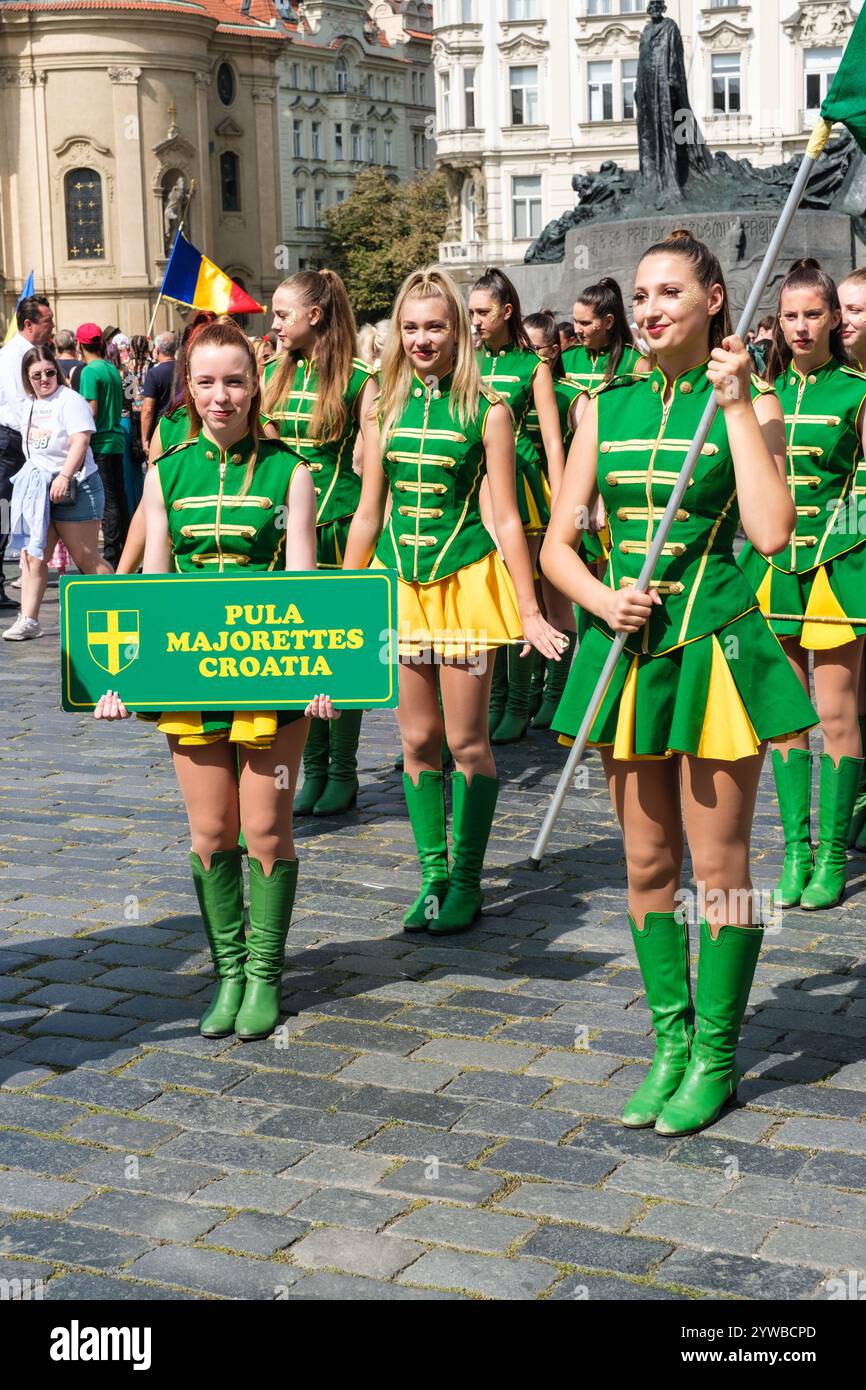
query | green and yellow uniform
[510, 372]
[175, 427]
[338, 487]
[217, 526]
[588, 370]
[455, 595]
[705, 676]
[822, 573]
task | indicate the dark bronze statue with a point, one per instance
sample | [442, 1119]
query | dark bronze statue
[670, 141]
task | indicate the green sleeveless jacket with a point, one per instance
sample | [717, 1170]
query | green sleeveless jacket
[435, 467]
[510, 373]
[587, 369]
[643, 444]
[338, 487]
[210, 524]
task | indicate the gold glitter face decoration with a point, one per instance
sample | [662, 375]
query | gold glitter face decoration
[691, 297]
[290, 319]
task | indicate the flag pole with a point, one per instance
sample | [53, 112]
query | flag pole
[159, 297]
[817, 142]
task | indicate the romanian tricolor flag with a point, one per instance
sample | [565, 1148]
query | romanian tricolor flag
[190, 278]
[13, 322]
[846, 99]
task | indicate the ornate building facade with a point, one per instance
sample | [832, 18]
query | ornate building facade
[530, 92]
[119, 116]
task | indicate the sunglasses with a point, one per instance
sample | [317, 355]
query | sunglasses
[43, 376]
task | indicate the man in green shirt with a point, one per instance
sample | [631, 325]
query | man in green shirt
[101, 386]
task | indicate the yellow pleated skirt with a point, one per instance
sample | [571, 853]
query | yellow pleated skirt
[471, 611]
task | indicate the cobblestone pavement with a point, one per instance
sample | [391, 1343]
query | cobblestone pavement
[438, 1118]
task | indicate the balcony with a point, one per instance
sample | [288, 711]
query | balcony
[460, 252]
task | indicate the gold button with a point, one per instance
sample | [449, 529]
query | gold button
[237, 458]
[687, 388]
[656, 387]
[812, 379]
[437, 395]
[178, 506]
[418, 391]
[793, 381]
[209, 454]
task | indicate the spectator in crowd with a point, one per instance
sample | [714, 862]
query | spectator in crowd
[35, 323]
[158, 389]
[68, 360]
[118, 353]
[266, 348]
[567, 335]
[102, 388]
[58, 494]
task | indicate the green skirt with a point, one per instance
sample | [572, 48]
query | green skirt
[331, 543]
[834, 591]
[719, 697]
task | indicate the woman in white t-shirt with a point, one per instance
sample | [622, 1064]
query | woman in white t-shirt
[56, 425]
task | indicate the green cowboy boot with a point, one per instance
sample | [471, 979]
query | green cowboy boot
[663, 956]
[472, 816]
[557, 675]
[540, 666]
[513, 724]
[341, 789]
[498, 688]
[726, 968]
[272, 897]
[220, 893]
[315, 768]
[426, 804]
[793, 777]
[857, 832]
[837, 793]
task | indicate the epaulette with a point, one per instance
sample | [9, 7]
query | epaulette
[282, 446]
[760, 385]
[492, 396]
[173, 448]
[363, 366]
[855, 371]
[617, 383]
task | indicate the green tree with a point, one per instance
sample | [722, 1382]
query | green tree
[382, 232]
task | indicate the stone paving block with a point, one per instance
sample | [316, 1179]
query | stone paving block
[486, 1056]
[519, 1121]
[490, 1085]
[81, 998]
[486, 1231]
[157, 1176]
[354, 1288]
[382, 1070]
[610, 1211]
[739, 1275]
[22, 1192]
[231, 1151]
[487, 1275]
[93, 1088]
[709, 1230]
[671, 1181]
[50, 1156]
[526, 1158]
[356, 1252]
[342, 1206]
[212, 1271]
[755, 1159]
[851, 1077]
[419, 1141]
[440, 1182]
[584, 1065]
[835, 1169]
[825, 1248]
[445, 1021]
[206, 1113]
[74, 1288]
[517, 1005]
[366, 1037]
[255, 1191]
[803, 1100]
[255, 1234]
[796, 1202]
[34, 1112]
[94, 1026]
[70, 1244]
[416, 1107]
[341, 1168]
[592, 1287]
[155, 1217]
[314, 1128]
[140, 1136]
[176, 1070]
[597, 1249]
[845, 1135]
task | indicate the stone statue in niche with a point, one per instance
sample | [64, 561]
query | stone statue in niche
[173, 208]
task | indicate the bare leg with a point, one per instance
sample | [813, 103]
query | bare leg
[558, 609]
[420, 719]
[718, 810]
[207, 775]
[465, 701]
[837, 678]
[646, 799]
[267, 788]
[34, 576]
[81, 539]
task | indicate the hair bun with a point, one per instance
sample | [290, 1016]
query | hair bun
[679, 233]
[610, 284]
[805, 263]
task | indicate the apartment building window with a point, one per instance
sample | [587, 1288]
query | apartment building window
[357, 152]
[339, 152]
[522, 9]
[300, 207]
[524, 96]
[372, 146]
[316, 133]
[314, 78]
[341, 73]
[415, 88]
[84, 231]
[726, 82]
[296, 75]
[319, 206]
[820, 65]
[600, 91]
[341, 195]
[369, 84]
[388, 141]
[629, 82]
[467, 11]
[297, 138]
[422, 87]
[526, 206]
[469, 97]
[446, 101]
[418, 149]
[386, 88]
[230, 182]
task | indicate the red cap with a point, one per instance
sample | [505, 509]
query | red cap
[89, 333]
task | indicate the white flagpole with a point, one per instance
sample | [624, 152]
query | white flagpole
[820, 136]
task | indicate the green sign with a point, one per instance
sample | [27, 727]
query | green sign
[215, 642]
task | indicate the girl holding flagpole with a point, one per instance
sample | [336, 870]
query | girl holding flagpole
[226, 500]
[702, 684]
[321, 397]
[813, 591]
[442, 432]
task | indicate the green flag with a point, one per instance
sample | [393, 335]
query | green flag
[846, 99]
